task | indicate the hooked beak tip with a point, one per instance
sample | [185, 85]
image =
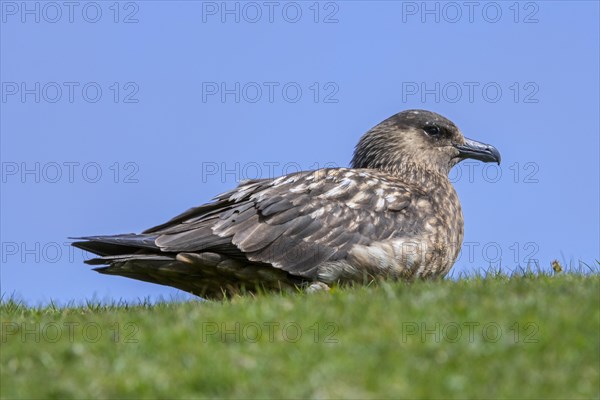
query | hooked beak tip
[478, 151]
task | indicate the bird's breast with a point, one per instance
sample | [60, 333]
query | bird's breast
[442, 234]
[427, 243]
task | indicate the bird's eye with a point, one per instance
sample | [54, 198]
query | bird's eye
[432, 130]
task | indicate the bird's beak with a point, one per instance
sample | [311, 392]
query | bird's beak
[478, 151]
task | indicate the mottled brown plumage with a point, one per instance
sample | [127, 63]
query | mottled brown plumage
[393, 214]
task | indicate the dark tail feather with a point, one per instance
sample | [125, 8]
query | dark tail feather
[116, 244]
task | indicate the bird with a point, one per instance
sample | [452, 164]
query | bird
[392, 215]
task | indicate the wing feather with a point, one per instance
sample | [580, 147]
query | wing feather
[295, 222]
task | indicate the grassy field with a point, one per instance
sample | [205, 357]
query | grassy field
[526, 336]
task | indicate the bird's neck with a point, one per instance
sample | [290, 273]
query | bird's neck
[426, 178]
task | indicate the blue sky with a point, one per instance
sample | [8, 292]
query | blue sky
[115, 118]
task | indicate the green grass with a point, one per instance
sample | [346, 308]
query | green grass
[524, 336]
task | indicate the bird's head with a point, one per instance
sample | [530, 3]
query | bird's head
[418, 139]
